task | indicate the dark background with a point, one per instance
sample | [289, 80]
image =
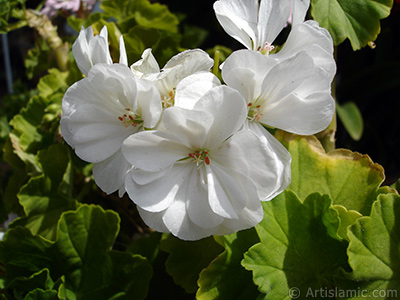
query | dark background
[368, 77]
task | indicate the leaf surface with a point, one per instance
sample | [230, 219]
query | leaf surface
[299, 246]
[356, 20]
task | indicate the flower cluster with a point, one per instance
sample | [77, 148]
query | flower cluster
[52, 7]
[191, 152]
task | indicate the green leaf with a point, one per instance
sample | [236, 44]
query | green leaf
[141, 12]
[46, 197]
[91, 270]
[187, 259]
[396, 185]
[356, 20]
[374, 249]
[193, 36]
[225, 278]
[83, 237]
[147, 246]
[40, 294]
[25, 136]
[164, 44]
[77, 23]
[56, 164]
[24, 254]
[54, 82]
[352, 119]
[347, 218]
[39, 279]
[37, 59]
[155, 15]
[138, 39]
[351, 179]
[299, 246]
[81, 259]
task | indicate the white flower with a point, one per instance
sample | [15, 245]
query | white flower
[100, 112]
[190, 91]
[90, 50]
[177, 68]
[198, 176]
[254, 25]
[282, 94]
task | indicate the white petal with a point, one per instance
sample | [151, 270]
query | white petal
[284, 78]
[110, 174]
[191, 126]
[104, 32]
[153, 151]
[239, 19]
[299, 8]
[193, 87]
[278, 160]
[145, 177]
[225, 194]
[249, 217]
[111, 86]
[245, 70]
[315, 41]
[180, 66]
[99, 51]
[302, 116]
[80, 50]
[190, 62]
[153, 220]
[272, 18]
[146, 66]
[197, 205]
[148, 103]
[123, 58]
[158, 195]
[94, 133]
[264, 163]
[179, 224]
[228, 109]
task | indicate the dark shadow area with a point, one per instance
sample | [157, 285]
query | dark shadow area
[371, 79]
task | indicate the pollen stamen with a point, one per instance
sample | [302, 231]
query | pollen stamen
[266, 49]
[255, 113]
[130, 119]
[168, 100]
[200, 156]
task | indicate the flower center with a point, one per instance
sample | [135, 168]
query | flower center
[266, 49]
[129, 118]
[255, 112]
[168, 100]
[200, 156]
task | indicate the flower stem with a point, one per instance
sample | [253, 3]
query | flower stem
[216, 63]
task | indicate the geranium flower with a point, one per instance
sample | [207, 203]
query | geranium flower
[252, 24]
[198, 176]
[191, 89]
[90, 50]
[177, 68]
[288, 94]
[100, 112]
